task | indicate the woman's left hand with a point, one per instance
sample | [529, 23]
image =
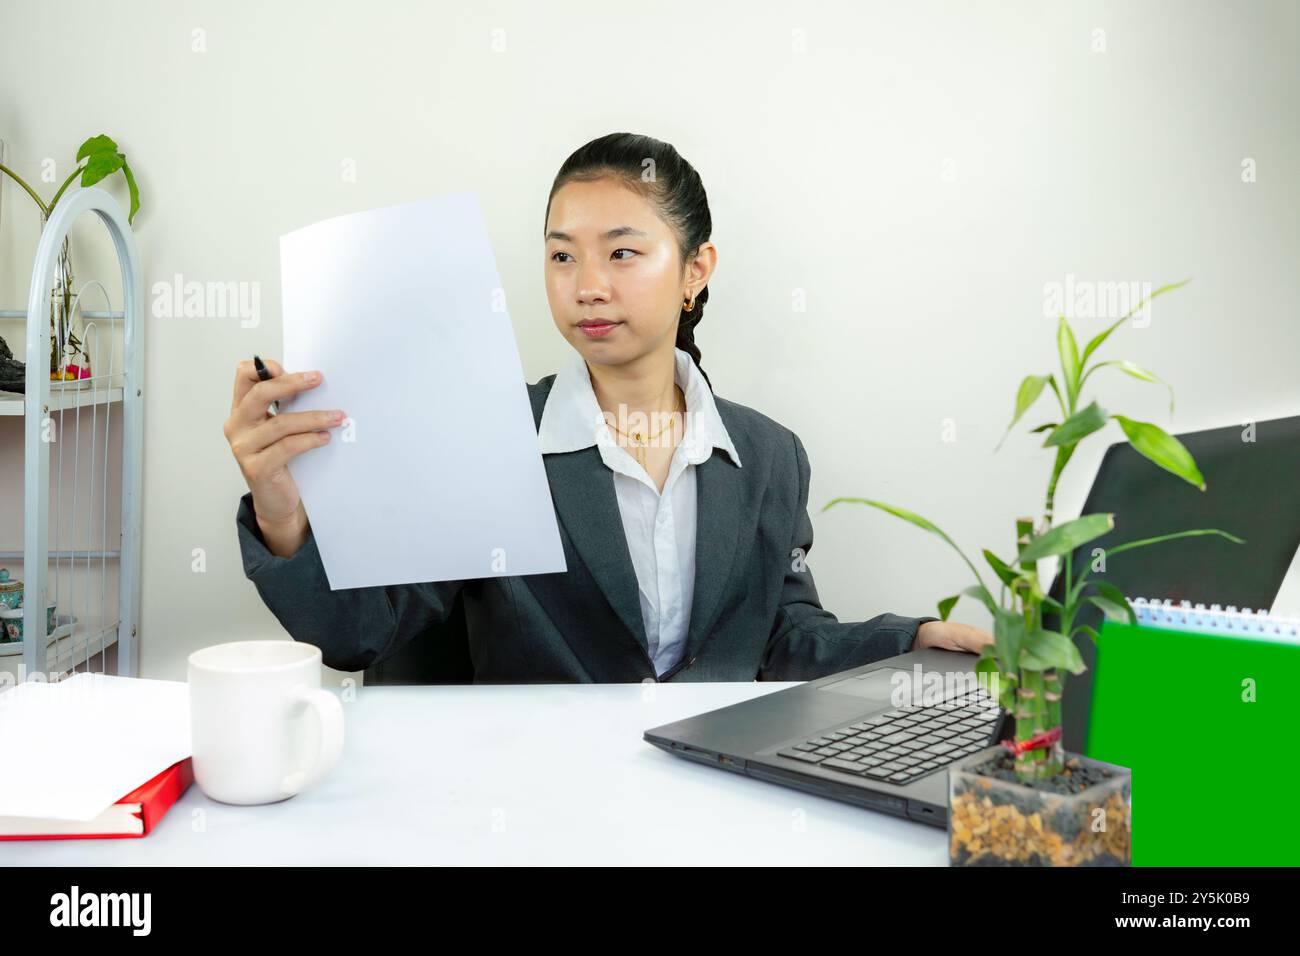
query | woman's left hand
[951, 636]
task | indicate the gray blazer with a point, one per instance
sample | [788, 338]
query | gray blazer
[755, 615]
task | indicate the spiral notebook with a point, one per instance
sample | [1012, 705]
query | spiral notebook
[1227, 621]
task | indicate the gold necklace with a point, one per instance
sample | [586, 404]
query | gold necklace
[640, 443]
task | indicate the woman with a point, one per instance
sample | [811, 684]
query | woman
[633, 439]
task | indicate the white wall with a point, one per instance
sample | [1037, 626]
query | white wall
[918, 170]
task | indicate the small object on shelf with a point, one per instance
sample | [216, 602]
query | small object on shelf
[13, 646]
[11, 609]
[73, 376]
[11, 620]
[11, 592]
[13, 373]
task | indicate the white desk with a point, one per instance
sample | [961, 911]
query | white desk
[517, 774]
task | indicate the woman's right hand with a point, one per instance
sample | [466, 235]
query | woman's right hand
[264, 444]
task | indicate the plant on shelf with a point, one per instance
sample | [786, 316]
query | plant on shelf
[97, 158]
[1027, 660]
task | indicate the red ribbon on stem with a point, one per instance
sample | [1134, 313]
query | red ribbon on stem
[1040, 740]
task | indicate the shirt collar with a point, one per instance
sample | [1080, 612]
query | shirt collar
[572, 418]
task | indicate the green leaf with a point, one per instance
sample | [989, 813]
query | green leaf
[975, 591]
[100, 165]
[981, 592]
[1051, 380]
[1043, 428]
[987, 665]
[134, 190]
[1164, 449]
[1078, 426]
[1056, 650]
[1029, 391]
[1029, 662]
[1116, 612]
[1006, 683]
[1130, 545]
[988, 662]
[1066, 537]
[1115, 596]
[1102, 336]
[1084, 628]
[96, 144]
[1005, 573]
[1069, 353]
[1137, 371]
[1008, 636]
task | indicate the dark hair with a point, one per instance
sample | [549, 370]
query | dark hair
[657, 171]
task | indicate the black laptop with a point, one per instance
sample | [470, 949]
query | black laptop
[845, 736]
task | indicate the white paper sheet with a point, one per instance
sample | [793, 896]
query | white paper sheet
[70, 749]
[439, 476]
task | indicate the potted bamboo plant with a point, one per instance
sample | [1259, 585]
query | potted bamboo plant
[1027, 801]
[68, 359]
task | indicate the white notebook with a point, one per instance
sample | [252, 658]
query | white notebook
[70, 749]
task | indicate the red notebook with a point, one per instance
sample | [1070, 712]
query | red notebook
[134, 815]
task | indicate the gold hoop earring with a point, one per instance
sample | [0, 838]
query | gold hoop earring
[689, 303]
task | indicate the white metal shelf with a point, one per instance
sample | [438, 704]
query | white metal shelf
[92, 633]
[61, 399]
[66, 649]
[85, 313]
[66, 553]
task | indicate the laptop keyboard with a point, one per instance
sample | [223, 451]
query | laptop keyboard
[906, 743]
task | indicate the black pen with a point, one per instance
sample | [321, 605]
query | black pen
[265, 375]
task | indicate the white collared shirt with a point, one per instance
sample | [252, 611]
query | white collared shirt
[660, 528]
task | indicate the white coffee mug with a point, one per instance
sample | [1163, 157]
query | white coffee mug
[261, 727]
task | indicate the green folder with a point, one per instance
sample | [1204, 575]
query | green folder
[1209, 725]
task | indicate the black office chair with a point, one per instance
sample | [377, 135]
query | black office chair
[440, 656]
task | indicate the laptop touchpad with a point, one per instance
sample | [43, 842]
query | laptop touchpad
[874, 686]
